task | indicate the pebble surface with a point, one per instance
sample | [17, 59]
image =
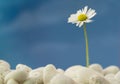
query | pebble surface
[49, 74]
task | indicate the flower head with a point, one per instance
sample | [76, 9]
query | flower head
[82, 16]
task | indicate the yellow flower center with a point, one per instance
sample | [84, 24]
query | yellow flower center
[82, 17]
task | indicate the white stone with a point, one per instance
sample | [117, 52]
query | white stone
[109, 76]
[81, 74]
[3, 69]
[30, 81]
[112, 80]
[38, 74]
[1, 79]
[96, 67]
[23, 67]
[48, 73]
[111, 69]
[4, 63]
[60, 71]
[117, 76]
[12, 81]
[17, 75]
[95, 79]
[61, 79]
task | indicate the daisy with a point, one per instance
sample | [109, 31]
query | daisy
[82, 16]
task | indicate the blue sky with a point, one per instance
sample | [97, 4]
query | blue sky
[36, 33]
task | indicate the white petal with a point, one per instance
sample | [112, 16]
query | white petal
[82, 10]
[88, 21]
[79, 11]
[92, 15]
[85, 9]
[77, 24]
[93, 11]
[89, 11]
[72, 18]
[81, 24]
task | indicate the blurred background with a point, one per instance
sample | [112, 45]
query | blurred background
[36, 33]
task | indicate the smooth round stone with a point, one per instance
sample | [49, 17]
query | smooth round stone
[38, 74]
[61, 79]
[23, 67]
[48, 73]
[117, 76]
[17, 75]
[109, 76]
[1, 80]
[12, 81]
[96, 67]
[98, 80]
[60, 71]
[111, 69]
[81, 74]
[30, 81]
[4, 69]
[4, 64]
[35, 72]
[112, 80]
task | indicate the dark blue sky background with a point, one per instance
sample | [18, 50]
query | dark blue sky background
[36, 33]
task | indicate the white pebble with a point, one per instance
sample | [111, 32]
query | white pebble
[48, 73]
[60, 71]
[1, 80]
[38, 74]
[4, 64]
[111, 69]
[23, 67]
[61, 79]
[30, 81]
[12, 81]
[117, 76]
[109, 76]
[95, 79]
[4, 69]
[81, 74]
[17, 75]
[112, 80]
[96, 67]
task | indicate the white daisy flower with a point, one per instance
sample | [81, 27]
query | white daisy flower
[82, 16]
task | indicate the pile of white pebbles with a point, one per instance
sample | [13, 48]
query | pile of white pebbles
[48, 74]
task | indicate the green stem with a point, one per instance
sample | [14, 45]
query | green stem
[86, 41]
